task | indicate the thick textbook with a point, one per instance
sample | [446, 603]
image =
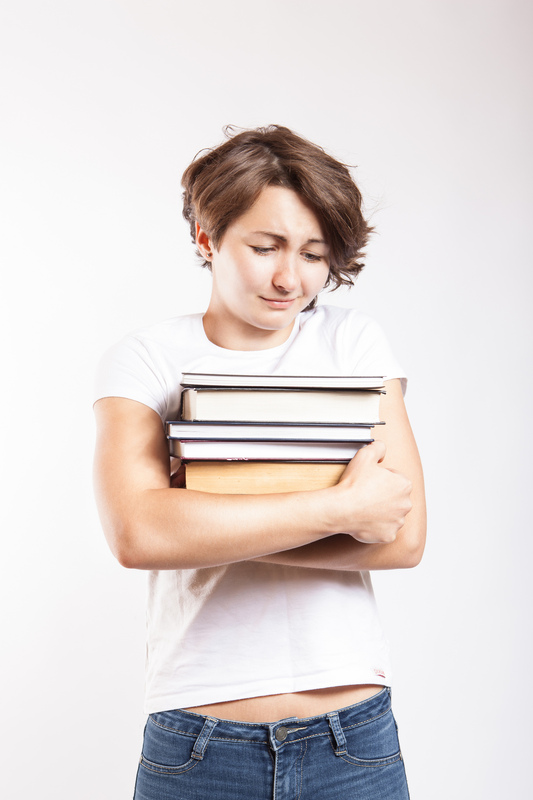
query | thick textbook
[281, 405]
[260, 477]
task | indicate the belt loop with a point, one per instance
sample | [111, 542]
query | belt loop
[338, 733]
[202, 740]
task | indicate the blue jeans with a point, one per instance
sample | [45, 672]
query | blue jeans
[346, 754]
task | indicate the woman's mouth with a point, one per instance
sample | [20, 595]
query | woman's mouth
[279, 303]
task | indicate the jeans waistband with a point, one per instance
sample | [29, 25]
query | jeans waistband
[275, 734]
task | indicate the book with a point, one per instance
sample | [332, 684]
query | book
[281, 405]
[194, 379]
[250, 450]
[188, 429]
[259, 477]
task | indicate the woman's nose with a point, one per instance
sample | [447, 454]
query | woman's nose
[286, 276]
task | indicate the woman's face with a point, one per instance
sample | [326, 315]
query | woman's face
[272, 261]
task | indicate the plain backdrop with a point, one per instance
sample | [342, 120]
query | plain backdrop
[104, 103]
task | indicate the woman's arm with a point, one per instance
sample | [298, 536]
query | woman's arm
[151, 526]
[346, 553]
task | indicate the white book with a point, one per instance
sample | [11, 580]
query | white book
[193, 379]
[186, 429]
[228, 450]
[267, 405]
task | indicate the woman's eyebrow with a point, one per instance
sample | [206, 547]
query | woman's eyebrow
[284, 238]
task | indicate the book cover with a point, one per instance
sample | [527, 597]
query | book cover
[259, 477]
[198, 379]
[298, 406]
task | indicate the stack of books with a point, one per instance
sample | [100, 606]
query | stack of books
[255, 434]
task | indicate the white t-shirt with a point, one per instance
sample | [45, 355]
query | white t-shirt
[251, 629]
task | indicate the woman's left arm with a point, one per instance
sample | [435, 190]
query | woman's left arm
[342, 552]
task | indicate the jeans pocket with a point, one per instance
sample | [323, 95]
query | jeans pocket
[165, 750]
[373, 743]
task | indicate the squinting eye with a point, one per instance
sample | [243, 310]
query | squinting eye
[312, 257]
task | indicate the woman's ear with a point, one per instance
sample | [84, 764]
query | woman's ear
[203, 242]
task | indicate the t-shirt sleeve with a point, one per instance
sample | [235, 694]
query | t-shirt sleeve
[127, 370]
[375, 356]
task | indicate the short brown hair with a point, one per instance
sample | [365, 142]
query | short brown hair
[222, 183]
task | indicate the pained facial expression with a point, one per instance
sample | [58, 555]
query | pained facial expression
[272, 261]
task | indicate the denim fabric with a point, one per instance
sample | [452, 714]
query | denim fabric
[346, 754]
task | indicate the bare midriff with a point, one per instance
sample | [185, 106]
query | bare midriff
[280, 706]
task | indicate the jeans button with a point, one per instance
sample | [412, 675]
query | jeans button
[281, 733]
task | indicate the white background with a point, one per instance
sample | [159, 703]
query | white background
[104, 103]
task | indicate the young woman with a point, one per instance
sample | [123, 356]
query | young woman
[268, 675]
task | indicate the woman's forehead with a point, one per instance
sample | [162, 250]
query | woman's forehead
[281, 211]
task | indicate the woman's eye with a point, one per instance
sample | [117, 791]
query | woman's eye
[312, 257]
[262, 251]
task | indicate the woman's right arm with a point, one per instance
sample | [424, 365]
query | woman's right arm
[151, 526]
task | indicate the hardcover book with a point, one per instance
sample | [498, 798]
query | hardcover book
[259, 477]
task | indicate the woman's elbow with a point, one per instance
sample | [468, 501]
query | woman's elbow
[124, 543]
[413, 558]
[414, 546]
[144, 546]
[129, 558]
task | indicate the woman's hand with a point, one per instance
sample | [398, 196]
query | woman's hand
[373, 499]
